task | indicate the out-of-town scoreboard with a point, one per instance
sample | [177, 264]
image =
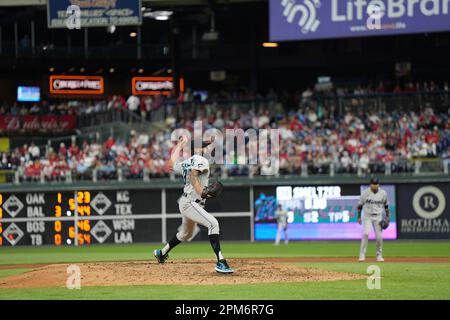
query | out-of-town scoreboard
[79, 217]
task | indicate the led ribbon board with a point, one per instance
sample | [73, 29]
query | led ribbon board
[319, 19]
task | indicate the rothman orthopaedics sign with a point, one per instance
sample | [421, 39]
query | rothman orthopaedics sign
[154, 85]
[319, 19]
[76, 84]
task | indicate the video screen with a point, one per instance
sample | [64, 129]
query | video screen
[316, 213]
[28, 94]
[202, 95]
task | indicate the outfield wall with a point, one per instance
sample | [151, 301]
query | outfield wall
[81, 214]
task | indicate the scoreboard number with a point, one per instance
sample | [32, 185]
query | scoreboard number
[57, 239]
[58, 226]
[83, 208]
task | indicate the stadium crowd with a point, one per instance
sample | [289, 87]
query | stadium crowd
[143, 106]
[317, 136]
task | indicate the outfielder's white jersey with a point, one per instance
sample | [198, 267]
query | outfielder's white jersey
[196, 162]
[282, 217]
[373, 207]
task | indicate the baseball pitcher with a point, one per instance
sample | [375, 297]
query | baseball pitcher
[372, 201]
[282, 217]
[195, 172]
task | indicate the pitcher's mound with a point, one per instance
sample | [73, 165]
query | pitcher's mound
[179, 272]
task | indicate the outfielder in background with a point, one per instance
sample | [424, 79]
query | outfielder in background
[282, 220]
[195, 172]
[372, 202]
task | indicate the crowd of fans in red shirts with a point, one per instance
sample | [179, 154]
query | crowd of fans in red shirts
[352, 140]
[319, 137]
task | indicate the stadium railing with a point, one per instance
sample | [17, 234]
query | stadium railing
[108, 116]
[414, 168]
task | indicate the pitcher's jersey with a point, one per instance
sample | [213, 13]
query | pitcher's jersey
[196, 162]
[373, 203]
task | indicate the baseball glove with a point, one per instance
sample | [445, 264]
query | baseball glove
[384, 224]
[213, 190]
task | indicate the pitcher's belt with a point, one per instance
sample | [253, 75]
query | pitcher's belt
[200, 201]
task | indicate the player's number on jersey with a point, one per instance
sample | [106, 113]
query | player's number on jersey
[186, 168]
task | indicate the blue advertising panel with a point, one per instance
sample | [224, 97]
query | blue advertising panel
[94, 13]
[319, 19]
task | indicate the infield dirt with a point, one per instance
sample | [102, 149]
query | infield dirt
[177, 272]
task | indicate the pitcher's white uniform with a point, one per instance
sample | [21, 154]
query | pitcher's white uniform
[373, 206]
[191, 204]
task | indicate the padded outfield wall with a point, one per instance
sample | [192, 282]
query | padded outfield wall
[141, 212]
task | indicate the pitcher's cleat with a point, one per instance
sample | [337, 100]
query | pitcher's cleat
[159, 256]
[361, 259]
[223, 267]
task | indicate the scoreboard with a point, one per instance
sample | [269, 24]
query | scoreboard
[80, 217]
[316, 212]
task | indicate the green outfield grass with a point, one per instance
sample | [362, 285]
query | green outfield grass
[399, 280]
[27, 255]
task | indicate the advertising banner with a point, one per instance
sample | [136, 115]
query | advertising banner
[76, 85]
[319, 19]
[94, 13]
[154, 85]
[424, 211]
[31, 123]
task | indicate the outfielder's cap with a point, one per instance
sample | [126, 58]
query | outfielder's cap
[374, 181]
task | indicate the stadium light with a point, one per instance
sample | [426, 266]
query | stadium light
[111, 29]
[133, 34]
[270, 45]
[111, 70]
[160, 15]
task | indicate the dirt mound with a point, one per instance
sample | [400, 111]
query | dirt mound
[179, 272]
